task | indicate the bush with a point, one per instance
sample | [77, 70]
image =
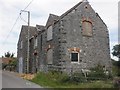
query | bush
[4, 66]
[116, 82]
[75, 78]
[97, 73]
[116, 68]
[118, 71]
[62, 80]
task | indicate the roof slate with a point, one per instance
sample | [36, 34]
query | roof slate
[51, 19]
[70, 10]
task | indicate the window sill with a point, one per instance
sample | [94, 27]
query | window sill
[75, 62]
[49, 40]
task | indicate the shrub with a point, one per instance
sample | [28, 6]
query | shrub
[97, 73]
[62, 80]
[116, 82]
[74, 78]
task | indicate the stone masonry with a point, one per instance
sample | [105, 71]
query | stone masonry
[78, 39]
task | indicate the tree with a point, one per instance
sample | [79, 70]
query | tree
[13, 64]
[12, 55]
[116, 52]
[9, 55]
[12, 61]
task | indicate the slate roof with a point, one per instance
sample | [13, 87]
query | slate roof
[24, 32]
[70, 10]
[32, 30]
[40, 27]
[51, 19]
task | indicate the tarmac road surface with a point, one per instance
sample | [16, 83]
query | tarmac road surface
[11, 80]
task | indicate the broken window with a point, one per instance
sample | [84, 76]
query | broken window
[87, 28]
[49, 33]
[74, 57]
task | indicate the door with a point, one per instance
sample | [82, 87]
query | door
[21, 65]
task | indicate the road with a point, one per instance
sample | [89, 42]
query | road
[11, 80]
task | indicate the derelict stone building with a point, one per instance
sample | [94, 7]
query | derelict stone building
[78, 39]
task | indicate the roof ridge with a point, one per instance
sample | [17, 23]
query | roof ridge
[53, 15]
[64, 14]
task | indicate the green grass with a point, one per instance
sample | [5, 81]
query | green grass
[57, 80]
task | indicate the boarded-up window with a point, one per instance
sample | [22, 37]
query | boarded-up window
[49, 33]
[20, 65]
[87, 28]
[50, 56]
[35, 42]
[41, 41]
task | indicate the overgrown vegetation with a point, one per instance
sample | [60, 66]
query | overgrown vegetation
[11, 63]
[98, 73]
[116, 73]
[116, 52]
[115, 68]
[11, 66]
[116, 65]
[95, 79]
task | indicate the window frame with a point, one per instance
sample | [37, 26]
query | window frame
[71, 57]
[50, 33]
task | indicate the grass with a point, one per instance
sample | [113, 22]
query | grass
[58, 80]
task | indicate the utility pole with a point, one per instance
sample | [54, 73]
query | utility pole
[28, 36]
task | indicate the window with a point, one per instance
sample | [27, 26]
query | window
[20, 65]
[49, 33]
[87, 28]
[21, 44]
[75, 57]
[41, 43]
[50, 56]
[35, 42]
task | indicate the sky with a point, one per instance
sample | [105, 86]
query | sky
[39, 12]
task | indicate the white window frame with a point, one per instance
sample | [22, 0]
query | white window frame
[71, 57]
[49, 33]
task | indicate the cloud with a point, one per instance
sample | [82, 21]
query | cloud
[108, 12]
[40, 10]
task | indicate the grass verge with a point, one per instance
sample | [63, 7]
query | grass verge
[58, 80]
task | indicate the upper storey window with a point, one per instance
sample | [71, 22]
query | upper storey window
[35, 42]
[49, 33]
[87, 28]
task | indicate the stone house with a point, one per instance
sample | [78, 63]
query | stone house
[22, 48]
[78, 39]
